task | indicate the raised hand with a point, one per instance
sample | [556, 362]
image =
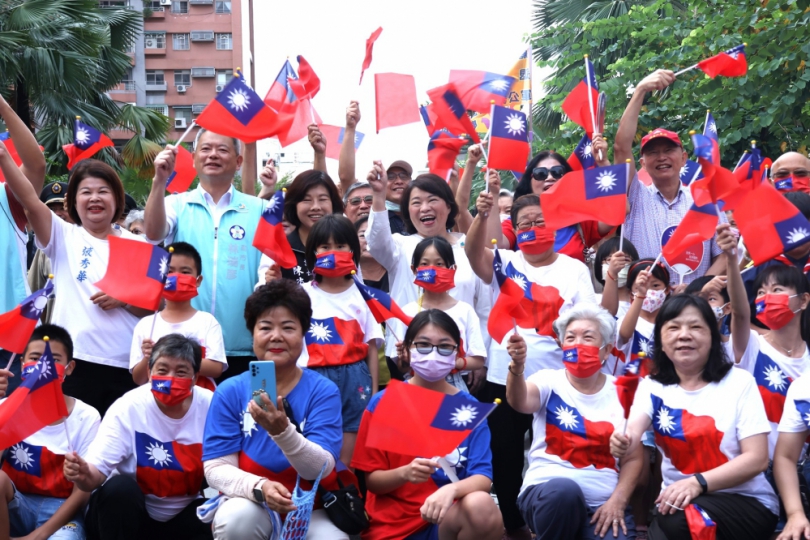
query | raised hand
[352, 114]
[164, 164]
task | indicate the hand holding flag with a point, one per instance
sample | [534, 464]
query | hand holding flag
[270, 238]
[730, 63]
[136, 273]
[87, 141]
[17, 325]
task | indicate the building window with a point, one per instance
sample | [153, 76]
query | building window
[223, 7]
[180, 7]
[154, 5]
[181, 42]
[224, 76]
[154, 40]
[182, 117]
[182, 77]
[224, 42]
[154, 77]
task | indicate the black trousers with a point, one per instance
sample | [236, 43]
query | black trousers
[737, 517]
[98, 385]
[236, 366]
[508, 428]
[117, 511]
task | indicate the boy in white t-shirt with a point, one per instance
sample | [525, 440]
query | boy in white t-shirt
[40, 501]
[179, 317]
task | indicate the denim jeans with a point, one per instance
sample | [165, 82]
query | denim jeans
[29, 512]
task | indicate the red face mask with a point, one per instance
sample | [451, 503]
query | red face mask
[334, 263]
[28, 367]
[171, 391]
[435, 278]
[581, 361]
[180, 287]
[535, 241]
[773, 310]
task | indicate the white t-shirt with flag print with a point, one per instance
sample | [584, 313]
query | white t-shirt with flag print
[774, 374]
[727, 412]
[796, 415]
[569, 278]
[163, 454]
[572, 436]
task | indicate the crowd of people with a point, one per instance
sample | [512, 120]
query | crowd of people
[160, 404]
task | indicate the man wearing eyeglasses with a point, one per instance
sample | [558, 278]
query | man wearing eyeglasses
[790, 172]
[357, 201]
[664, 203]
[399, 176]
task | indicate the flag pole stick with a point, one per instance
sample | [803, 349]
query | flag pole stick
[185, 134]
[67, 433]
[626, 184]
[656, 261]
[624, 431]
[684, 70]
[11, 361]
[529, 62]
[590, 100]
[312, 111]
[486, 177]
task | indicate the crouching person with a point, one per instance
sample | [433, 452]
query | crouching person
[145, 465]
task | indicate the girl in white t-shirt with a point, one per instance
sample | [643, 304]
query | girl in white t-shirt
[610, 269]
[434, 268]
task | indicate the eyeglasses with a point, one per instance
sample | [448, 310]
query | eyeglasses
[401, 176]
[798, 173]
[355, 201]
[445, 349]
[526, 225]
[541, 173]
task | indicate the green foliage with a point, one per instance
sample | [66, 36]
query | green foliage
[770, 105]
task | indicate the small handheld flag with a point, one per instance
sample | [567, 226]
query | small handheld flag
[582, 157]
[478, 89]
[596, 194]
[87, 141]
[508, 308]
[307, 85]
[698, 225]
[580, 104]
[626, 387]
[717, 182]
[508, 140]
[382, 306]
[280, 92]
[701, 526]
[136, 272]
[334, 139]
[270, 238]
[442, 151]
[450, 111]
[369, 47]
[17, 325]
[731, 63]
[184, 172]
[5, 137]
[395, 99]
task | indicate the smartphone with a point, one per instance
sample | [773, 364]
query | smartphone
[263, 379]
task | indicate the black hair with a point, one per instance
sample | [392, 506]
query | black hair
[184, 248]
[801, 201]
[697, 285]
[56, 334]
[787, 276]
[434, 185]
[608, 248]
[717, 365]
[520, 203]
[177, 346]
[359, 223]
[298, 189]
[279, 293]
[336, 228]
[443, 248]
[660, 271]
[431, 316]
[524, 186]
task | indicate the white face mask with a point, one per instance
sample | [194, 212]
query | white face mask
[432, 366]
[504, 217]
[718, 311]
[621, 279]
[654, 301]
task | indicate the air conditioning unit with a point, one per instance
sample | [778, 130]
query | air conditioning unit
[150, 43]
[166, 3]
[180, 123]
[181, 88]
[219, 88]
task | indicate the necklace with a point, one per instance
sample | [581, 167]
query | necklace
[773, 342]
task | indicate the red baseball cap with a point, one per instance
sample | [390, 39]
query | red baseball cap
[659, 133]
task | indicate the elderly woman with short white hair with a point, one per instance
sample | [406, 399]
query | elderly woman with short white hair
[574, 488]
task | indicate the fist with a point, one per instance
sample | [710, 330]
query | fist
[316, 139]
[377, 178]
[274, 272]
[164, 164]
[268, 176]
[657, 80]
[352, 114]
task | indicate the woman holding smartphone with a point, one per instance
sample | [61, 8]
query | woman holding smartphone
[257, 472]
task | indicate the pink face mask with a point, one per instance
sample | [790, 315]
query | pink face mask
[432, 366]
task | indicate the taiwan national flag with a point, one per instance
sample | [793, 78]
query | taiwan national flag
[773, 385]
[415, 421]
[575, 439]
[17, 325]
[626, 387]
[5, 137]
[698, 225]
[36, 403]
[136, 272]
[395, 99]
[717, 182]
[369, 48]
[442, 151]
[508, 308]
[640, 356]
[770, 224]
[237, 111]
[334, 139]
[701, 526]
[582, 157]
[335, 341]
[690, 172]
[730, 63]
[87, 141]
[710, 131]
[381, 305]
[803, 406]
[184, 172]
[36, 470]
[450, 111]
[508, 140]
[429, 118]
[168, 469]
[270, 238]
[478, 89]
[280, 92]
[747, 172]
[540, 303]
[692, 443]
[598, 194]
[308, 84]
[580, 104]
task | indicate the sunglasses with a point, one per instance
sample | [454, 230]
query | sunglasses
[401, 176]
[541, 173]
[426, 348]
[355, 201]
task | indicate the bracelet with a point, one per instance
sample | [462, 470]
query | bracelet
[465, 364]
[611, 277]
[513, 373]
[639, 296]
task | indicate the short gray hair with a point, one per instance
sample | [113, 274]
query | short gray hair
[236, 144]
[590, 312]
[356, 185]
[177, 346]
[132, 217]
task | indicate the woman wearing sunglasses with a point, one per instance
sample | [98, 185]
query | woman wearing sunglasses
[542, 172]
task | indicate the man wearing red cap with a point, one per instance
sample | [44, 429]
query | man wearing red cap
[664, 203]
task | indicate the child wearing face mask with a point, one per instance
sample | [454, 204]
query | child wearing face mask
[179, 317]
[42, 501]
[610, 269]
[434, 268]
[714, 290]
[650, 287]
[343, 338]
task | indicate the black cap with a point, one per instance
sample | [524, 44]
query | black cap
[129, 204]
[53, 193]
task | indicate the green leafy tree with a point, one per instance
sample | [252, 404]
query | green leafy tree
[771, 104]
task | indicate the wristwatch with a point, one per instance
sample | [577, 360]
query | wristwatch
[257, 492]
[703, 484]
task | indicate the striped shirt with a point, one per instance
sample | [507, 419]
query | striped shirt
[651, 214]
